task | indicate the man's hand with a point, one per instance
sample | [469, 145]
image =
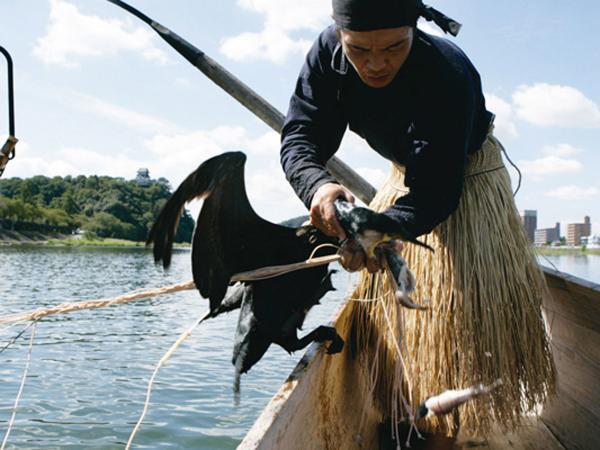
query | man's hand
[322, 211]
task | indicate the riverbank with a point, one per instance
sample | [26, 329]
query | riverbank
[566, 251]
[8, 237]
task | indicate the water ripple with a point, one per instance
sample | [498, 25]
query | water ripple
[87, 381]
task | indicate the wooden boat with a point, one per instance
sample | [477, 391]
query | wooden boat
[310, 413]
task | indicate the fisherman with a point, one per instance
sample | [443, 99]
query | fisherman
[417, 100]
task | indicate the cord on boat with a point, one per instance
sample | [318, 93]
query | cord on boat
[14, 412]
[161, 363]
[13, 340]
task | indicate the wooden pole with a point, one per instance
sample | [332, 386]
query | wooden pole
[250, 99]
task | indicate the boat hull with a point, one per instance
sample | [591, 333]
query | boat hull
[313, 410]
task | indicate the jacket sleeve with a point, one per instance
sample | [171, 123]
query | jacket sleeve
[314, 125]
[435, 166]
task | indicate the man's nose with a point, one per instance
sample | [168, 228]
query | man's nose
[376, 63]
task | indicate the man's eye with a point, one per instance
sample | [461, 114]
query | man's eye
[395, 48]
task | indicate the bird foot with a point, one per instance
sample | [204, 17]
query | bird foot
[325, 333]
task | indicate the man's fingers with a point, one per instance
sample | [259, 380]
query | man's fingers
[349, 196]
[332, 223]
[316, 218]
[352, 256]
[373, 265]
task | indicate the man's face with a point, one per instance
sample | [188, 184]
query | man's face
[377, 55]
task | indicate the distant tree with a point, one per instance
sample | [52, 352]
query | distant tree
[29, 191]
[58, 218]
[104, 224]
[107, 206]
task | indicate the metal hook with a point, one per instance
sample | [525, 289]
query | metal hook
[7, 152]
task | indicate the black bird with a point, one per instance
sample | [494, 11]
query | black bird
[230, 238]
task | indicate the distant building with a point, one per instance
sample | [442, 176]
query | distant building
[591, 241]
[529, 221]
[143, 177]
[575, 231]
[547, 235]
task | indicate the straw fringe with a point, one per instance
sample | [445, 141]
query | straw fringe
[484, 321]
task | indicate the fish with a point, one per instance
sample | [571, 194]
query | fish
[376, 233]
[403, 277]
[369, 228]
[451, 399]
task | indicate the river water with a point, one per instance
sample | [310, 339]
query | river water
[87, 380]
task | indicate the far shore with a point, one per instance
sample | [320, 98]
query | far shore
[8, 237]
[566, 250]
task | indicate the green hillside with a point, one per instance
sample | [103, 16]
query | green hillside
[98, 205]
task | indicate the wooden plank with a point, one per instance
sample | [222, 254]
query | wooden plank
[579, 380]
[532, 435]
[573, 315]
[570, 423]
[578, 302]
[570, 336]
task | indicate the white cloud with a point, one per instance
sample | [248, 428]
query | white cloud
[271, 45]
[124, 116]
[291, 15]
[281, 17]
[504, 125]
[554, 105]
[73, 161]
[560, 150]
[549, 165]
[72, 34]
[268, 144]
[193, 147]
[268, 190]
[272, 196]
[198, 145]
[573, 192]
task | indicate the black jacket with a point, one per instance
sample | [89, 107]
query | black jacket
[428, 119]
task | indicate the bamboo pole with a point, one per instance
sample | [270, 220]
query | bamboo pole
[248, 98]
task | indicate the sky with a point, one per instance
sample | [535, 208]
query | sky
[98, 92]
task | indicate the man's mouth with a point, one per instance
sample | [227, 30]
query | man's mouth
[377, 76]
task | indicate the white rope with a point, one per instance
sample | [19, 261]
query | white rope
[14, 412]
[411, 417]
[64, 308]
[161, 363]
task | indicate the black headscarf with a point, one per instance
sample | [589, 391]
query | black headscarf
[368, 15]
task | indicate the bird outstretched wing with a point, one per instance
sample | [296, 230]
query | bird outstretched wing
[229, 236]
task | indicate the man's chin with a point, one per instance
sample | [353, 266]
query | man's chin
[377, 82]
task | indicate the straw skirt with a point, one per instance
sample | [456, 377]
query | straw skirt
[484, 320]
